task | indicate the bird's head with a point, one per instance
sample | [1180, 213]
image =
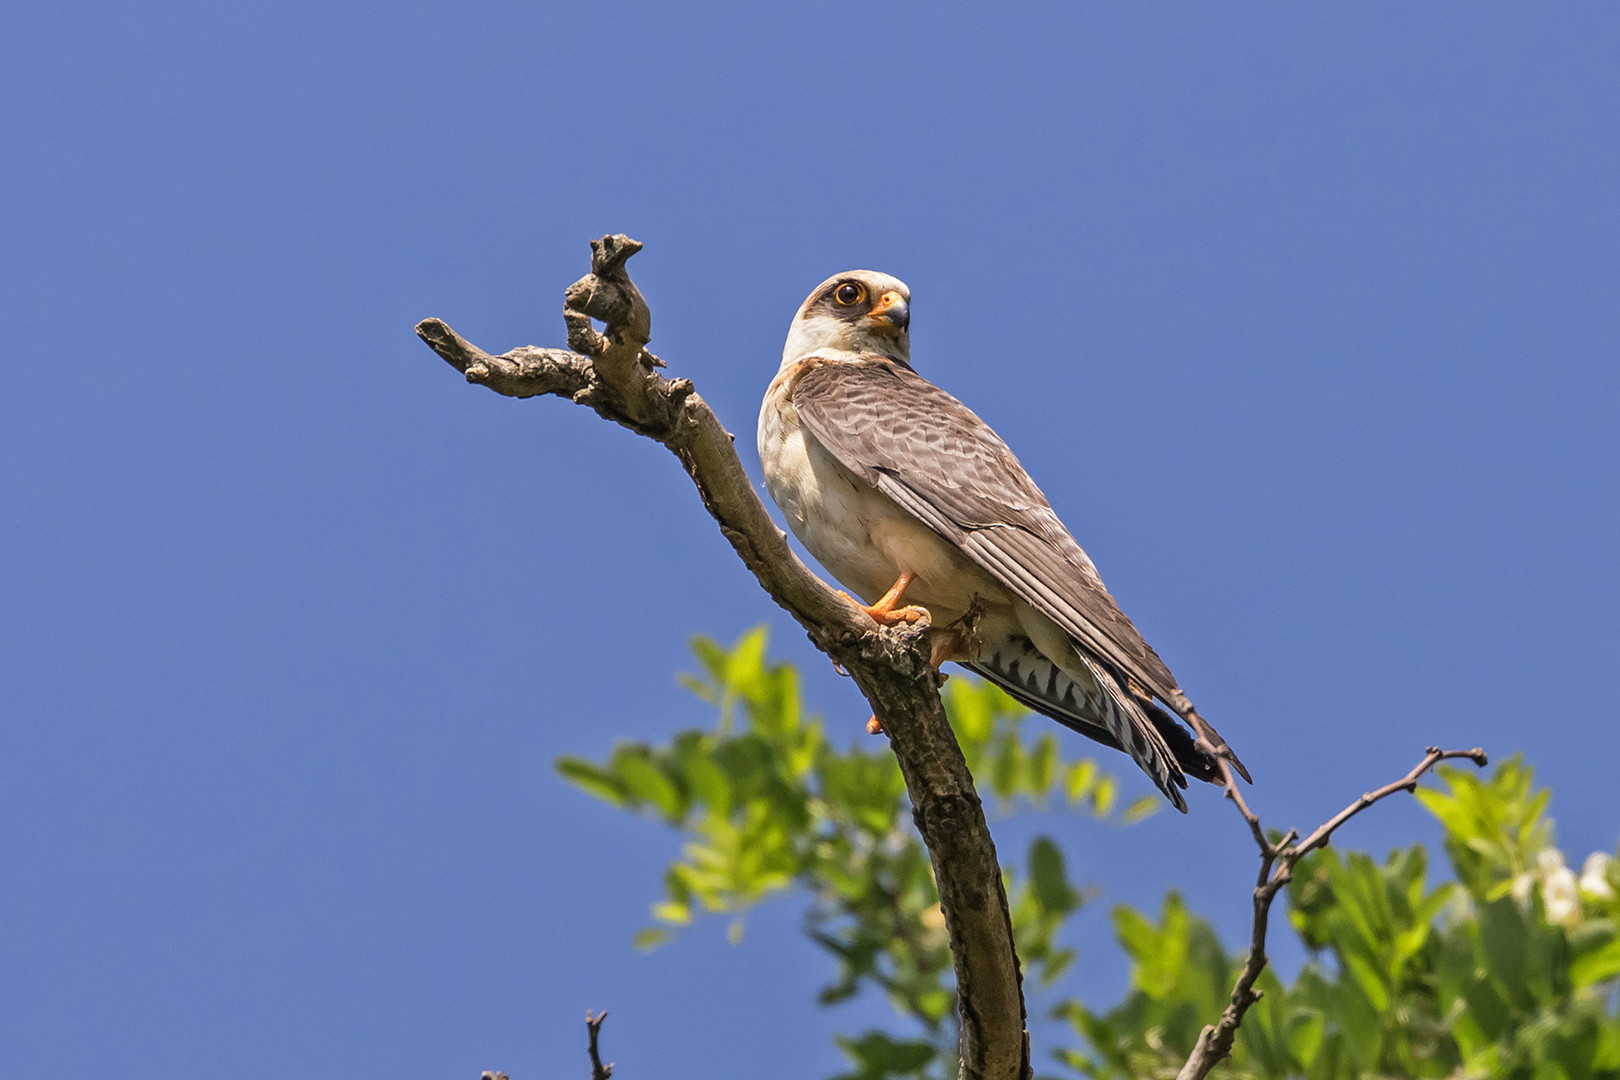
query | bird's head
[858, 311]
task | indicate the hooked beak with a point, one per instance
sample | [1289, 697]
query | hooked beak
[890, 315]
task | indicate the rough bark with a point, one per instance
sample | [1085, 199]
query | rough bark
[611, 372]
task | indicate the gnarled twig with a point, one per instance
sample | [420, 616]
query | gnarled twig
[599, 1071]
[1277, 862]
[612, 372]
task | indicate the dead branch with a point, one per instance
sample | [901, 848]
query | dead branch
[611, 372]
[598, 1070]
[1277, 863]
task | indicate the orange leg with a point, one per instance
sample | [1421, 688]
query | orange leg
[884, 611]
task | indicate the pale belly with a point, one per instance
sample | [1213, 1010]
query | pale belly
[860, 535]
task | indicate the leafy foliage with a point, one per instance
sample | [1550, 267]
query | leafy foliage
[1507, 972]
[1510, 970]
[766, 802]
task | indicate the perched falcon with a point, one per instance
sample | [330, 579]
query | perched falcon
[901, 492]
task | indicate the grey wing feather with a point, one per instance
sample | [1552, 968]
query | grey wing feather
[938, 460]
[935, 457]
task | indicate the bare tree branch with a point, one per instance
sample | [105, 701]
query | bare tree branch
[1277, 862]
[612, 372]
[598, 1070]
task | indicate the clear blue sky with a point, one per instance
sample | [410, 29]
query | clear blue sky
[1306, 320]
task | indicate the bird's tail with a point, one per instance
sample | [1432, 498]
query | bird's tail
[1104, 712]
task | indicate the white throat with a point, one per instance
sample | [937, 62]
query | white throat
[827, 334]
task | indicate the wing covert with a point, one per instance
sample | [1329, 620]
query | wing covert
[940, 462]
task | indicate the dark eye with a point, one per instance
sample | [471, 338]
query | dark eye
[849, 293]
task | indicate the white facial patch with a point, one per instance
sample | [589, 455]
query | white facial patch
[819, 333]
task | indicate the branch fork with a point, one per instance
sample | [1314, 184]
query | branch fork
[1277, 862]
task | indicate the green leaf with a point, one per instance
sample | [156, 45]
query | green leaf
[1042, 765]
[1082, 774]
[1103, 795]
[1305, 1038]
[713, 657]
[1596, 948]
[969, 708]
[1506, 939]
[701, 688]
[597, 781]
[707, 781]
[1046, 877]
[650, 938]
[1368, 978]
[745, 666]
[641, 780]
[878, 1055]
[1159, 954]
[1007, 767]
[671, 911]
[1143, 807]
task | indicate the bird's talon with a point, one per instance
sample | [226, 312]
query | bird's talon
[895, 616]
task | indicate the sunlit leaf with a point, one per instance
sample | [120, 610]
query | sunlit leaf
[640, 779]
[597, 781]
[1142, 807]
[1104, 794]
[1081, 776]
[650, 938]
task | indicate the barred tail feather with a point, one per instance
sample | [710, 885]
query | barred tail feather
[1103, 712]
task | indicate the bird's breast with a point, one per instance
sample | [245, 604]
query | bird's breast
[829, 509]
[862, 537]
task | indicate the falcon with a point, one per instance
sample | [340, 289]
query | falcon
[909, 499]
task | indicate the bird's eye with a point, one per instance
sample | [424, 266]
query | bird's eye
[849, 293]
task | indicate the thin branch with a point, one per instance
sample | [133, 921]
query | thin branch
[1407, 783]
[598, 1070]
[611, 372]
[1277, 862]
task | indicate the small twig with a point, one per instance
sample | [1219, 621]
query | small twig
[1277, 862]
[598, 1070]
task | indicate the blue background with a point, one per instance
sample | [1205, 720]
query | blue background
[1305, 320]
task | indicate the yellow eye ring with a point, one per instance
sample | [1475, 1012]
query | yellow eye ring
[849, 294]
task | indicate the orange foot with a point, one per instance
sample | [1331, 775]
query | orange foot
[884, 612]
[889, 616]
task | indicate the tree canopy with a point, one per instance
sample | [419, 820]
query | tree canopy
[1505, 968]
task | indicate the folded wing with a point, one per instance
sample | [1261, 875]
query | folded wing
[939, 461]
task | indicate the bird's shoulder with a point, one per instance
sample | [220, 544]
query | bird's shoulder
[939, 460]
[890, 419]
